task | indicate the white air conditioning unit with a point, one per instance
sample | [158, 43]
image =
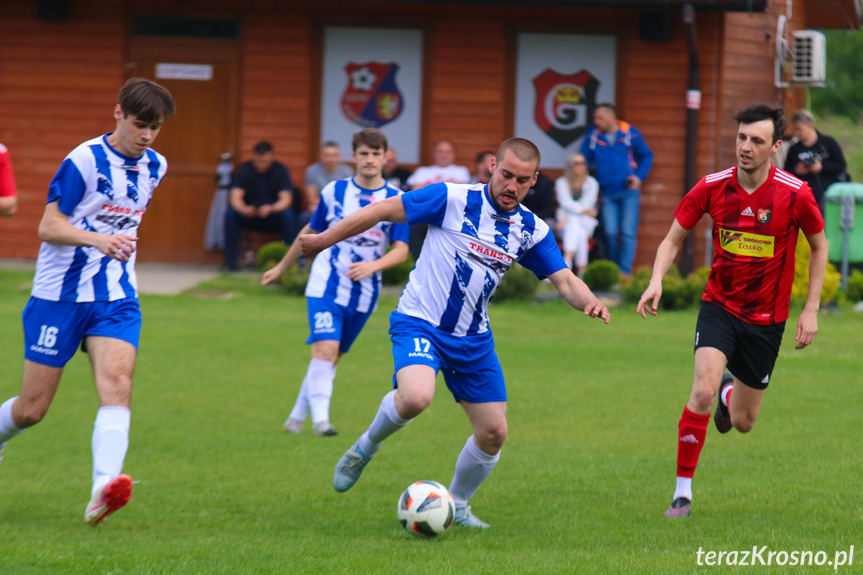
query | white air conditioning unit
[809, 60]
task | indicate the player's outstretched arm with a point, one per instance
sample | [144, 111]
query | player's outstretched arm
[578, 295]
[273, 274]
[665, 256]
[389, 210]
[56, 229]
[807, 323]
[392, 258]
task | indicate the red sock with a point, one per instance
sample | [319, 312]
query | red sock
[693, 430]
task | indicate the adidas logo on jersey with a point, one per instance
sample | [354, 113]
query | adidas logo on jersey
[747, 212]
[689, 439]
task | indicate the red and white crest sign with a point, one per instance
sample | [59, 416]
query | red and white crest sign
[564, 104]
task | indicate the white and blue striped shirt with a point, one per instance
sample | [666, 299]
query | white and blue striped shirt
[469, 247]
[328, 277]
[100, 190]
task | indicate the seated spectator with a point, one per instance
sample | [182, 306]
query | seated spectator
[8, 190]
[815, 158]
[260, 201]
[443, 170]
[577, 193]
[393, 174]
[328, 169]
[540, 200]
[483, 168]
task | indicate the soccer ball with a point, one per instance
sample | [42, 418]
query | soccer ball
[426, 509]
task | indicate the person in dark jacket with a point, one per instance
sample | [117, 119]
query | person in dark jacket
[815, 158]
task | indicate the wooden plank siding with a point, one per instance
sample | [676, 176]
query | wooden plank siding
[58, 81]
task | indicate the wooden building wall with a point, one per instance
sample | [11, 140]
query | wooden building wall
[58, 82]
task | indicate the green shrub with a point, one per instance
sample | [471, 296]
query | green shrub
[398, 275]
[677, 292]
[519, 283]
[855, 286]
[601, 275]
[632, 288]
[800, 287]
[295, 278]
[270, 254]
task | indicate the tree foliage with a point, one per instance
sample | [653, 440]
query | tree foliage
[841, 97]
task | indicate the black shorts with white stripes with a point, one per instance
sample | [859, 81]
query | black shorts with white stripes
[751, 349]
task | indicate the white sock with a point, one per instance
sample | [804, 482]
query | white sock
[684, 488]
[301, 407]
[8, 429]
[320, 388]
[386, 422]
[471, 469]
[724, 394]
[110, 442]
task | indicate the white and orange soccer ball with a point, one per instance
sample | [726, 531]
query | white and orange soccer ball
[426, 509]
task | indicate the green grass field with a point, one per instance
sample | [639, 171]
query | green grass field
[585, 475]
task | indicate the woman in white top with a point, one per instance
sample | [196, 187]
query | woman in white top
[577, 193]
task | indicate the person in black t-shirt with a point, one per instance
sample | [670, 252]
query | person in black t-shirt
[261, 200]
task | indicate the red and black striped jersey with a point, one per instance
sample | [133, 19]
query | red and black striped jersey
[754, 238]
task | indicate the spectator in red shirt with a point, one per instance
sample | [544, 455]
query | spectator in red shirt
[757, 210]
[8, 191]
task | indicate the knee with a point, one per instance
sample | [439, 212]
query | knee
[28, 414]
[410, 404]
[742, 422]
[117, 390]
[701, 399]
[491, 439]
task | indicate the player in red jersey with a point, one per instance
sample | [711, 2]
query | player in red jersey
[757, 211]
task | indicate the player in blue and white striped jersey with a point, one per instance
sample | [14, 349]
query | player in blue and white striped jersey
[85, 289]
[476, 233]
[345, 279]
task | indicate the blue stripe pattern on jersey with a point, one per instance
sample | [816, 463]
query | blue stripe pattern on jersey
[124, 281]
[455, 301]
[73, 276]
[131, 166]
[528, 222]
[153, 167]
[67, 187]
[100, 281]
[103, 171]
[333, 279]
[472, 213]
[501, 235]
[481, 303]
[357, 287]
[339, 199]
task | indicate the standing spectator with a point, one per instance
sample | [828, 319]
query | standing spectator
[8, 191]
[345, 280]
[328, 169]
[85, 290]
[260, 200]
[443, 170]
[394, 175]
[214, 235]
[621, 160]
[483, 167]
[815, 158]
[757, 212]
[577, 192]
[476, 233]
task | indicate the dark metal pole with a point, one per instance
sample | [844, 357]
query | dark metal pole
[693, 105]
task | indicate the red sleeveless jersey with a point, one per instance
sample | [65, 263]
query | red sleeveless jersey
[754, 238]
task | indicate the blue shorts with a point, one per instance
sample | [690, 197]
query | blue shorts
[470, 366]
[53, 330]
[329, 321]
